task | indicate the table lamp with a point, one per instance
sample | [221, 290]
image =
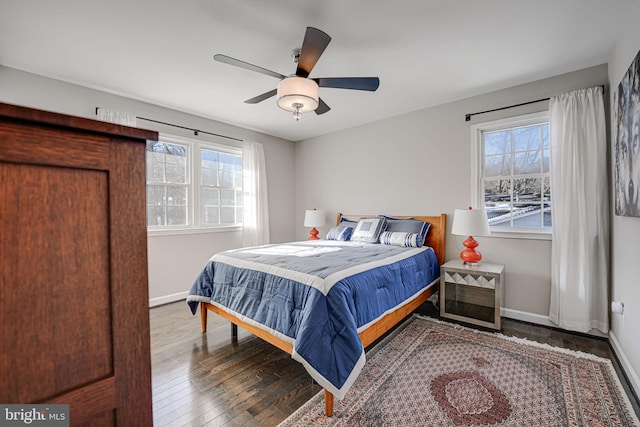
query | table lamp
[314, 218]
[470, 222]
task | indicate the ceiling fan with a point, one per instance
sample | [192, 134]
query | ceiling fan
[298, 92]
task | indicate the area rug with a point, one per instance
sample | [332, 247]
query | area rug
[432, 373]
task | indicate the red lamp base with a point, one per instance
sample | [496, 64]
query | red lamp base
[470, 256]
[314, 234]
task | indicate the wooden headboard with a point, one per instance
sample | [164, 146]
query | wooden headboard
[435, 236]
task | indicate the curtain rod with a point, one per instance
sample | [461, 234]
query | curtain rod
[467, 117]
[195, 131]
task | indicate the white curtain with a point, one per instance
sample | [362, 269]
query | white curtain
[580, 215]
[256, 205]
[116, 117]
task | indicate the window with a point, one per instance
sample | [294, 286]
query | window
[511, 162]
[220, 187]
[168, 182]
[193, 185]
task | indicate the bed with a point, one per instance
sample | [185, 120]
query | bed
[324, 301]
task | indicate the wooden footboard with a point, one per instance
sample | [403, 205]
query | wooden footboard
[435, 239]
[260, 333]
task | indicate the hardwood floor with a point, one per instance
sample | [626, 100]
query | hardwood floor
[206, 379]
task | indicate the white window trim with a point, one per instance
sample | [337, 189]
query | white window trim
[477, 198]
[192, 230]
[193, 214]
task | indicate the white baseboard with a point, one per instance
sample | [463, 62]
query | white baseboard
[166, 299]
[632, 375]
[538, 319]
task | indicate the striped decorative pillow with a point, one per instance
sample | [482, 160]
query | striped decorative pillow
[408, 225]
[399, 238]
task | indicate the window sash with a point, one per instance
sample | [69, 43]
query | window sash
[221, 197]
[168, 184]
[519, 161]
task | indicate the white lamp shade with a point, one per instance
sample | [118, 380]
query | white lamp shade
[297, 90]
[470, 222]
[314, 218]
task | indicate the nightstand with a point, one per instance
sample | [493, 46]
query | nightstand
[471, 294]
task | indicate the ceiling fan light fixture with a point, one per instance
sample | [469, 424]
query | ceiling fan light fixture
[297, 115]
[297, 94]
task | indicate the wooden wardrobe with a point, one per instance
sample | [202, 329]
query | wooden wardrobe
[74, 304]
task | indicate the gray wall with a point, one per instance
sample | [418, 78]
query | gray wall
[174, 260]
[625, 230]
[419, 163]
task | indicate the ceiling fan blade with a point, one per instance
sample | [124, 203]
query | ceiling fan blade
[355, 83]
[322, 107]
[314, 43]
[262, 97]
[237, 63]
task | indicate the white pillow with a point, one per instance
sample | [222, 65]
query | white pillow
[368, 230]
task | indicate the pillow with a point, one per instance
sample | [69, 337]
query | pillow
[368, 230]
[400, 238]
[348, 222]
[339, 232]
[408, 225]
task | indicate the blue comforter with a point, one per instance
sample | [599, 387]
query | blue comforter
[316, 295]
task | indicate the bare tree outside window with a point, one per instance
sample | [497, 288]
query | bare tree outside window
[514, 177]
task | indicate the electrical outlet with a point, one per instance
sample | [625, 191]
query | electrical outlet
[617, 307]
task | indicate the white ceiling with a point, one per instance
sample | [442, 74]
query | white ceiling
[426, 52]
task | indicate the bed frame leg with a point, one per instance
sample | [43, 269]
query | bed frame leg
[203, 317]
[234, 332]
[328, 402]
